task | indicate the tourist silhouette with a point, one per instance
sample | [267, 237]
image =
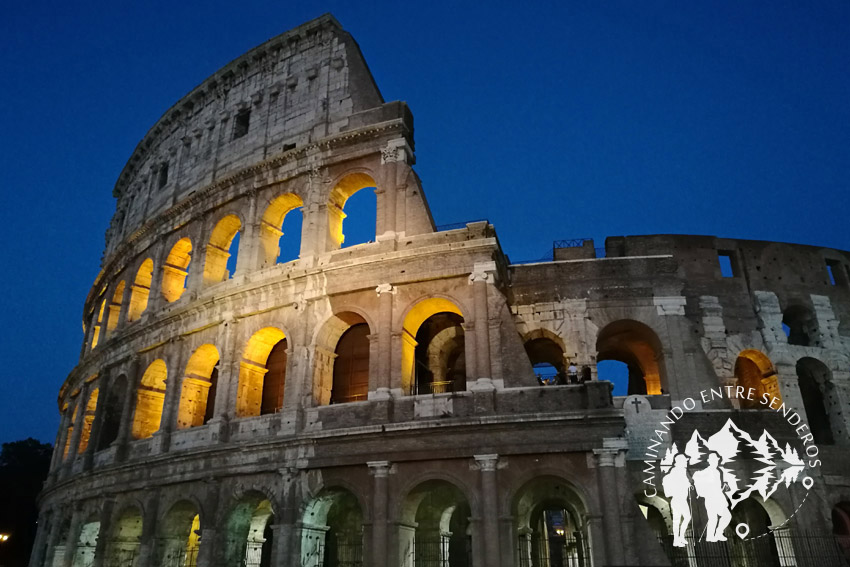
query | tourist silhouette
[677, 487]
[709, 485]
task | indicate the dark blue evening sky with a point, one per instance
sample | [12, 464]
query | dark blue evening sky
[553, 121]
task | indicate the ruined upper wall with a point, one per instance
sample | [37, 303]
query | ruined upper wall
[296, 88]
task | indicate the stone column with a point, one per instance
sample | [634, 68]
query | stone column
[385, 293]
[125, 304]
[223, 405]
[103, 534]
[479, 279]
[41, 538]
[608, 459]
[147, 542]
[286, 548]
[97, 422]
[248, 258]
[380, 471]
[209, 543]
[489, 509]
[73, 537]
[61, 436]
[125, 429]
[82, 400]
[155, 298]
[52, 539]
[173, 388]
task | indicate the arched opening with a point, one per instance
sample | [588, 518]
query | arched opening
[70, 432]
[800, 325]
[638, 347]
[755, 371]
[123, 549]
[823, 411]
[332, 530]
[276, 248]
[433, 348]
[249, 538]
[88, 420]
[98, 324]
[547, 359]
[763, 551]
[617, 373]
[198, 383]
[140, 291]
[362, 209]
[261, 376]
[841, 527]
[175, 270]
[550, 524]
[220, 249]
[62, 543]
[179, 536]
[86, 543]
[149, 400]
[112, 413]
[435, 527]
[115, 307]
[351, 367]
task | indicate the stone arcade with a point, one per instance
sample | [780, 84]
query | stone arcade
[378, 404]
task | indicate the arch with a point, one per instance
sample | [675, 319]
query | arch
[219, 249]
[800, 325]
[115, 307]
[768, 549]
[88, 420]
[414, 319]
[341, 372]
[434, 527]
[544, 351]
[199, 387]
[332, 529]
[140, 291]
[112, 412]
[347, 186]
[550, 523]
[179, 535]
[260, 392]
[271, 225]
[248, 535]
[823, 410]
[753, 369]
[841, 526]
[86, 542]
[636, 345]
[98, 324]
[175, 270]
[126, 537]
[149, 400]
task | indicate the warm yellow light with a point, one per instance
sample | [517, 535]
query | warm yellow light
[4, 537]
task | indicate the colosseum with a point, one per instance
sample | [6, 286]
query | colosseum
[417, 399]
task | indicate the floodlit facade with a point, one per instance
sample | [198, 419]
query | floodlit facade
[379, 404]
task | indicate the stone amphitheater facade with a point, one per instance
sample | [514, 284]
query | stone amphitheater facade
[378, 404]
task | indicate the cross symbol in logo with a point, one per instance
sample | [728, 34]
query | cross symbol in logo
[637, 403]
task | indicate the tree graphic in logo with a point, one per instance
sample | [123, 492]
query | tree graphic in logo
[722, 471]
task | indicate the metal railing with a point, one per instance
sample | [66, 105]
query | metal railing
[457, 225]
[570, 243]
[568, 550]
[778, 549]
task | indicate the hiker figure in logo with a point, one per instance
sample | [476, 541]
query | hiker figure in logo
[677, 487]
[711, 487]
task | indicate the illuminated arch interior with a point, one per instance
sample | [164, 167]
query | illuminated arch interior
[249, 537]
[271, 226]
[149, 400]
[436, 525]
[333, 522]
[88, 420]
[126, 538]
[98, 324]
[115, 307]
[141, 290]
[344, 189]
[342, 360]
[198, 388]
[219, 249]
[753, 369]
[253, 370]
[638, 347]
[175, 270]
[413, 321]
[179, 536]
